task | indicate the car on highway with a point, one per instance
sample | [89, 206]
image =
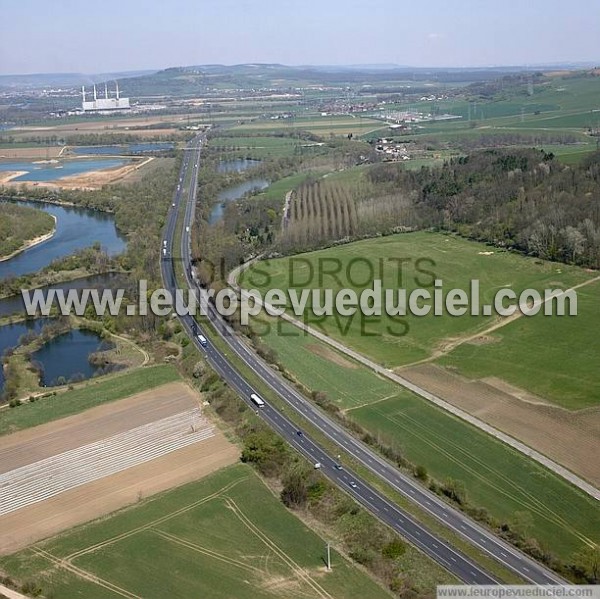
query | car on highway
[203, 340]
[353, 484]
[300, 433]
[338, 466]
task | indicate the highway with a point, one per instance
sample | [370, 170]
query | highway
[462, 566]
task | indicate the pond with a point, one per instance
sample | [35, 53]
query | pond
[67, 357]
[56, 169]
[230, 194]
[76, 228]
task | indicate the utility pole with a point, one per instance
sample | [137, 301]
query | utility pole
[328, 555]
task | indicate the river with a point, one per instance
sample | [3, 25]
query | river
[230, 194]
[76, 228]
[15, 305]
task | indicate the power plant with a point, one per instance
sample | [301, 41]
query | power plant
[104, 104]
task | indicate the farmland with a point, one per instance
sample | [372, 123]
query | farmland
[424, 257]
[504, 483]
[555, 106]
[551, 357]
[138, 446]
[277, 190]
[319, 125]
[256, 147]
[225, 536]
[88, 395]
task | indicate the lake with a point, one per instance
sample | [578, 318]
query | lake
[67, 356]
[133, 148]
[45, 171]
[76, 228]
[230, 194]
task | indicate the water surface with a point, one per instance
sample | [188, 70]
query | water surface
[76, 228]
[68, 356]
[15, 305]
[230, 194]
[51, 171]
[132, 148]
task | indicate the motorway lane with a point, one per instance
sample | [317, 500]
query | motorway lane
[453, 560]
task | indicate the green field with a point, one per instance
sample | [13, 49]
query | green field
[258, 147]
[89, 395]
[559, 105]
[222, 537]
[453, 260]
[496, 477]
[277, 190]
[556, 358]
[319, 125]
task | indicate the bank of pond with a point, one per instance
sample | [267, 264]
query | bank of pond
[121, 149]
[65, 357]
[232, 194]
[52, 170]
[15, 305]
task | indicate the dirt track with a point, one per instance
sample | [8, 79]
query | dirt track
[83, 503]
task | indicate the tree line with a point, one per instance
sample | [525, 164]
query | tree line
[520, 199]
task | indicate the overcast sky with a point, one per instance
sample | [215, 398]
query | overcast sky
[38, 36]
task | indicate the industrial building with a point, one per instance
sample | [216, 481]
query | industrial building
[105, 104]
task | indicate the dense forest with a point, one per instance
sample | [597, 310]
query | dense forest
[524, 200]
[19, 224]
[521, 199]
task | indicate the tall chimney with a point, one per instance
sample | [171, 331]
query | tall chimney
[105, 91]
[95, 95]
[117, 84]
[83, 94]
